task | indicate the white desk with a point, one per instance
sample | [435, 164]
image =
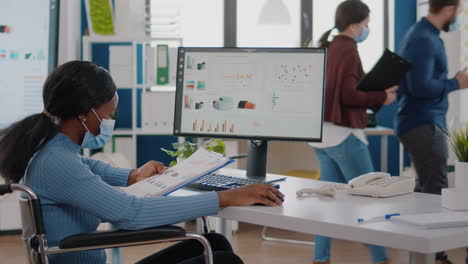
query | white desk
[383, 132]
[336, 217]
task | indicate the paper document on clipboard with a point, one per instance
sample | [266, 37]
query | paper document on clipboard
[199, 164]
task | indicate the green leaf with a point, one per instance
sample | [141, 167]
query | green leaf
[458, 139]
[216, 145]
[186, 149]
[181, 150]
[169, 152]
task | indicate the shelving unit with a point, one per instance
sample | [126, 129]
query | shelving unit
[134, 131]
[138, 45]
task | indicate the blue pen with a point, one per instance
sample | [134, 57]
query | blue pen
[277, 180]
[376, 218]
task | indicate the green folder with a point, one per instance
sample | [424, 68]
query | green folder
[162, 62]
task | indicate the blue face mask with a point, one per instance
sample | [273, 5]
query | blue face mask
[95, 142]
[456, 24]
[363, 36]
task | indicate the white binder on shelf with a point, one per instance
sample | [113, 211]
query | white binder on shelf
[158, 111]
[121, 65]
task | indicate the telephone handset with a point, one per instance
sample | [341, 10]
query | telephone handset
[368, 178]
[381, 184]
[375, 184]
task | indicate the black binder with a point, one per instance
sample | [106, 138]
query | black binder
[387, 72]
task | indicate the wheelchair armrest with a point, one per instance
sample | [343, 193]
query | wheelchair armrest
[111, 237]
[5, 188]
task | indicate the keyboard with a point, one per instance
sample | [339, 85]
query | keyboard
[220, 182]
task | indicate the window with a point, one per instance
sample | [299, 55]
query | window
[199, 23]
[252, 33]
[369, 50]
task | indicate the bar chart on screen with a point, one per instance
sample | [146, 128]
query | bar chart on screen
[223, 126]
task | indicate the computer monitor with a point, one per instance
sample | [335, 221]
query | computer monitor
[28, 52]
[259, 94]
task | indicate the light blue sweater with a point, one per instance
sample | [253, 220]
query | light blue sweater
[77, 194]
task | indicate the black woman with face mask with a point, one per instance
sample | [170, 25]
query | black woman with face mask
[78, 193]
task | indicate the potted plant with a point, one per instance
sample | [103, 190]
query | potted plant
[455, 198]
[185, 149]
[458, 139]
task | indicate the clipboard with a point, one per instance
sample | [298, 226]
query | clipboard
[389, 70]
[198, 165]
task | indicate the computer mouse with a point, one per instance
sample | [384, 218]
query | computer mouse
[281, 199]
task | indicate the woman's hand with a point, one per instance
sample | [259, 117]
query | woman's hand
[251, 194]
[147, 170]
[391, 95]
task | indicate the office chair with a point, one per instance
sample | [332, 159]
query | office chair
[35, 240]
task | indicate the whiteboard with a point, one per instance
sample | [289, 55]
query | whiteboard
[28, 49]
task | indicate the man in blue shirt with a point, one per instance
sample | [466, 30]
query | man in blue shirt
[422, 96]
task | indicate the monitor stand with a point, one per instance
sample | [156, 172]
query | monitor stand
[257, 159]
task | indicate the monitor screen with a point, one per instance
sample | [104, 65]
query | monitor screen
[252, 93]
[28, 52]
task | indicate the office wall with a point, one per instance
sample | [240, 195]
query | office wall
[457, 55]
[463, 105]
